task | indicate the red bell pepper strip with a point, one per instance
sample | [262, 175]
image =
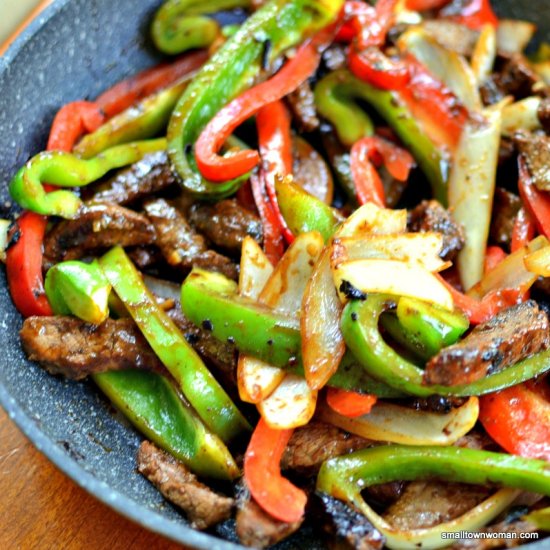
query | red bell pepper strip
[476, 14]
[274, 243]
[352, 10]
[217, 168]
[24, 255]
[424, 5]
[373, 31]
[369, 150]
[350, 403]
[377, 69]
[518, 419]
[493, 256]
[274, 493]
[245, 197]
[129, 91]
[523, 231]
[537, 202]
[275, 144]
[479, 311]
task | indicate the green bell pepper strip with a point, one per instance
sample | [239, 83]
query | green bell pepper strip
[211, 300]
[424, 328]
[335, 98]
[276, 26]
[153, 406]
[360, 329]
[180, 25]
[77, 288]
[66, 170]
[346, 477]
[200, 388]
[142, 121]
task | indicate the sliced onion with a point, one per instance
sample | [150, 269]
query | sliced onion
[538, 262]
[543, 70]
[448, 66]
[432, 537]
[398, 424]
[292, 404]
[393, 277]
[371, 219]
[512, 272]
[256, 380]
[513, 35]
[419, 248]
[255, 269]
[471, 190]
[484, 54]
[521, 115]
[285, 287]
[4, 226]
[162, 288]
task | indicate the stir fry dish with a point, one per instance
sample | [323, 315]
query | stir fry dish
[308, 258]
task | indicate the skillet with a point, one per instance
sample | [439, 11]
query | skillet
[75, 49]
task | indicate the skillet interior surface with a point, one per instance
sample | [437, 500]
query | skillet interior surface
[74, 50]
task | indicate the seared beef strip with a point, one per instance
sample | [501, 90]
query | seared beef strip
[316, 442]
[431, 216]
[180, 244]
[179, 485]
[502, 527]
[145, 256]
[428, 503]
[97, 226]
[335, 57]
[256, 528]
[535, 149]
[69, 346]
[505, 208]
[350, 528]
[226, 224]
[435, 403]
[302, 105]
[151, 174]
[510, 336]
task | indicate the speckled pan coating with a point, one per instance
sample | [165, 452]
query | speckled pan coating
[74, 50]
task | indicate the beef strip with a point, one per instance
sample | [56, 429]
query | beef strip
[431, 216]
[428, 503]
[350, 528]
[505, 208]
[203, 507]
[543, 114]
[180, 244]
[219, 354]
[75, 349]
[516, 527]
[151, 174]
[97, 226]
[302, 105]
[316, 442]
[535, 149]
[435, 403]
[145, 256]
[256, 528]
[335, 57]
[226, 224]
[510, 336]
[513, 76]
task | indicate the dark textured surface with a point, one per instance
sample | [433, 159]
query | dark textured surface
[74, 50]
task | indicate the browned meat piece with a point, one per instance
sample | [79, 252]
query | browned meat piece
[428, 503]
[506, 150]
[334, 57]
[435, 403]
[302, 105]
[145, 256]
[385, 493]
[350, 528]
[452, 36]
[220, 355]
[69, 346]
[510, 336]
[98, 225]
[180, 244]
[478, 440]
[535, 149]
[543, 114]
[431, 216]
[516, 527]
[257, 529]
[226, 224]
[513, 77]
[311, 445]
[203, 507]
[505, 208]
[151, 174]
